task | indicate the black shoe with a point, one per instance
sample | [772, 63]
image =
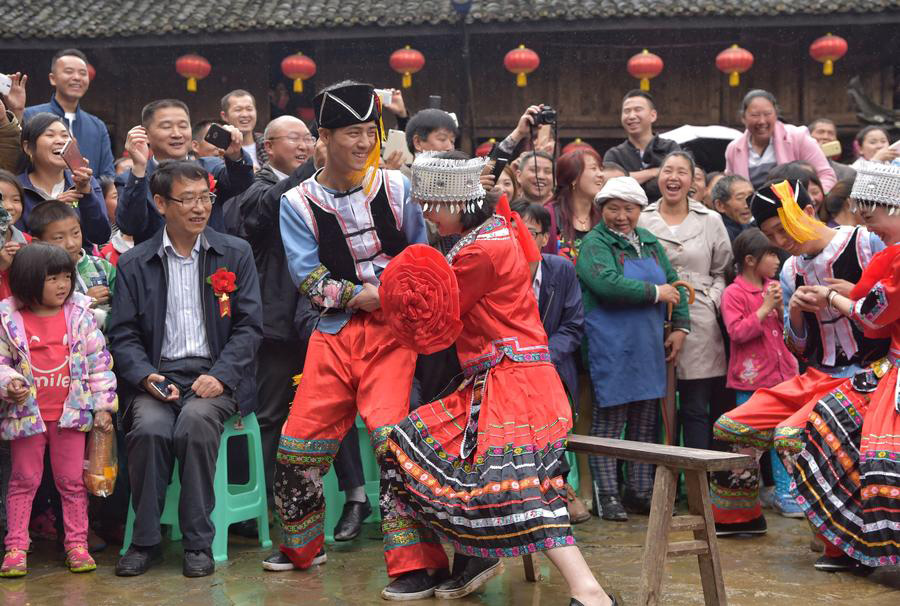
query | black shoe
[842, 563]
[415, 585]
[475, 573]
[611, 508]
[138, 560]
[198, 563]
[755, 526]
[635, 502]
[350, 524]
[278, 562]
[247, 529]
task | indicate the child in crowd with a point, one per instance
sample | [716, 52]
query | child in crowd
[11, 196]
[119, 242]
[752, 309]
[55, 382]
[57, 223]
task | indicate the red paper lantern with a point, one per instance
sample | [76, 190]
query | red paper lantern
[192, 67]
[827, 50]
[298, 68]
[521, 61]
[643, 66]
[407, 61]
[734, 61]
[578, 145]
[485, 148]
[92, 73]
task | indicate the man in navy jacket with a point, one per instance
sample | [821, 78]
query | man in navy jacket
[559, 299]
[69, 77]
[165, 131]
[185, 325]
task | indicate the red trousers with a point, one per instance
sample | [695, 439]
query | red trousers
[360, 370]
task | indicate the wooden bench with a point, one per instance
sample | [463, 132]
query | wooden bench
[670, 461]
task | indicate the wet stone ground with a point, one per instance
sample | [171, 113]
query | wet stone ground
[768, 571]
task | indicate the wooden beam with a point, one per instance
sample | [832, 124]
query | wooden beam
[676, 457]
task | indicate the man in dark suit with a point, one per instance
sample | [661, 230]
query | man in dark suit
[185, 325]
[165, 130]
[562, 313]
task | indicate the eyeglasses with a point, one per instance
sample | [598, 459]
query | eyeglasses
[201, 200]
[295, 139]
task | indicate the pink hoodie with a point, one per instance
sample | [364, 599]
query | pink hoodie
[759, 357]
[792, 143]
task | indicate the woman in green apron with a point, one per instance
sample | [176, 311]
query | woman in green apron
[626, 280]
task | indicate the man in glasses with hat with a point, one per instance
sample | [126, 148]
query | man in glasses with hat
[341, 227]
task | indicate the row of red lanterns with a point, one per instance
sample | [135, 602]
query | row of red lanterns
[735, 60]
[299, 67]
[522, 61]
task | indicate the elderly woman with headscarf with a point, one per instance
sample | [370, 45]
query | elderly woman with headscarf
[626, 280]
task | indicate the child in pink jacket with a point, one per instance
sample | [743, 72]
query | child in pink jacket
[752, 310]
[56, 381]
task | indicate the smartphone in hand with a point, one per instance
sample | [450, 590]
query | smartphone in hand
[162, 388]
[5, 84]
[396, 142]
[218, 136]
[72, 155]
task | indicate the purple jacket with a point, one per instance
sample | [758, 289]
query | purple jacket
[792, 143]
[92, 384]
[759, 357]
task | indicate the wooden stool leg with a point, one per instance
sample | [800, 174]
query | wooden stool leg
[657, 543]
[710, 568]
[531, 573]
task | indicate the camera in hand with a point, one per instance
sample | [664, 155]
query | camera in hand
[547, 115]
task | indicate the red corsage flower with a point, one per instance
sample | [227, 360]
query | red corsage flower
[420, 299]
[212, 183]
[223, 283]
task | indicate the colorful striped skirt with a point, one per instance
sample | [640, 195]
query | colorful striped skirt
[848, 474]
[507, 497]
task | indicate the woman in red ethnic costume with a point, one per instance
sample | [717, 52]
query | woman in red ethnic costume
[848, 473]
[483, 467]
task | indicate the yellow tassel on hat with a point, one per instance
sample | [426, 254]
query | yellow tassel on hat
[798, 225]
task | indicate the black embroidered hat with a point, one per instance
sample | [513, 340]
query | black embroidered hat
[346, 104]
[765, 202]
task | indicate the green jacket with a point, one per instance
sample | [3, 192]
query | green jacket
[600, 270]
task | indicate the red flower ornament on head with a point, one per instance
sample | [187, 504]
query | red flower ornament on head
[223, 283]
[420, 299]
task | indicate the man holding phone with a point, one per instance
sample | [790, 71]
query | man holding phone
[165, 130]
[70, 81]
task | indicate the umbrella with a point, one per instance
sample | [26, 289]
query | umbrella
[668, 403]
[706, 143]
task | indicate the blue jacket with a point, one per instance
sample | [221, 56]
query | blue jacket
[91, 208]
[562, 313]
[138, 317]
[136, 214]
[90, 132]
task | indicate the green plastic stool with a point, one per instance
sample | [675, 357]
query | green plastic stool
[334, 498]
[234, 502]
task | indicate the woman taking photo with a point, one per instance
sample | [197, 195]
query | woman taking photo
[767, 142]
[579, 176]
[626, 280]
[697, 244]
[48, 178]
[874, 145]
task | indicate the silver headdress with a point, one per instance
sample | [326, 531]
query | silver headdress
[455, 183]
[877, 183]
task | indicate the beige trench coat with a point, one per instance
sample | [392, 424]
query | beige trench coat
[700, 254]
